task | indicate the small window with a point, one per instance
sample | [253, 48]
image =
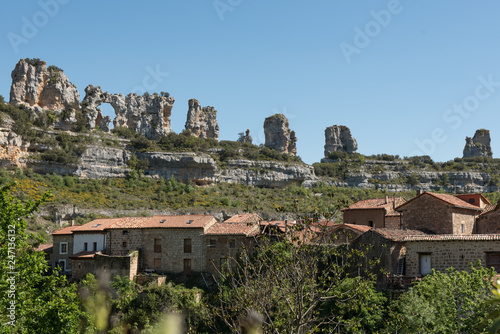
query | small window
[425, 263]
[212, 243]
[157, 246]
[85, 247]
[187, 245]
[95, 246]
[125, 232]
[62, 264]
[187, 266]
[157, 263]
[124, 244]
[63, 248]
[471, 200]
[463, 228]
[370, 223]
[232, 243]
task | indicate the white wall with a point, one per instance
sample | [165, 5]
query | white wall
[80, 238]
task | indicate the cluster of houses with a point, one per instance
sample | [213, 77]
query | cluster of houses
[430, 231]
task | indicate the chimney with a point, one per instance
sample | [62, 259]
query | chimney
[72, 222]
[419, 192]
[386, 199]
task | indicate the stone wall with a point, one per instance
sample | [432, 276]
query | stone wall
[56, 255]
[429, 214]
[222, 250]
[448, 253]
[489, 223]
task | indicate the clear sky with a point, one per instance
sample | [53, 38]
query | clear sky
[407, 77]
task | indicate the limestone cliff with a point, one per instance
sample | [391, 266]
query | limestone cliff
[479, 145]
[148, 115]
[39, 87]
[202, 121]
[339, 138]
[278, 134]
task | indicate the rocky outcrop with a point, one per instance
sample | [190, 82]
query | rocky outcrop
[479, 145]
[339, 138]
[202, 121]
[39, 87]
[148, 115]
[12, 148]
[266, 173]
[245, 137]
[278, 134]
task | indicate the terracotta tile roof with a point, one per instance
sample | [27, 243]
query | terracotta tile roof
[360, 228]
[280, 224]
[181, 221]
[244, 218]
[397, 235]
[386, 203]
[488, 208]
[446, 237]
[450, 199]
[466, 197]
[66, 230]
[47, 248]
[83, 255]
[226, 228]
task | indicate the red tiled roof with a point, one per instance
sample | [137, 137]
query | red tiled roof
[181, 221]
[244, 218]
[446, 237]
[466, 197]
[397, 235]
[225, 228]
[47, 248]
[66, 230]
[83, 255]
[386, 203]
[488, 208]
[360, 228]
[450, 199]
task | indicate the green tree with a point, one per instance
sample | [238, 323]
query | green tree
[449, 302]
[31, 300]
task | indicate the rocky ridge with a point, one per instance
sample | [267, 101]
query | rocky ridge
[479, 145]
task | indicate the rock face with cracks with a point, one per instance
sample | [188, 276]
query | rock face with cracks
[148, 115]
[339, 138]
[479, 145]
[278, 134]
[202, 121]
[40, 87]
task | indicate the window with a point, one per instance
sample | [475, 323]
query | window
[62, 264]
[463, 228]
[157, 247]
[124, 244]
[125, 232]
[212, 243]
[187, 245]
[157, 263]
[232, 243]
[493, 260]
[471, 200]
[95, 246]
[85, 246]
[370, 223]
[187, 266]
[63, 248]
[424, 263]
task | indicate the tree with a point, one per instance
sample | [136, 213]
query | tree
[450, 302]
[31, 300]
[297, 289]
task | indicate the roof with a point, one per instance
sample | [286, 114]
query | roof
[489, 208]
[47, 248]
[385, 203]
[244, 218]
[453, 237]
[359, 228]
[450, 199]
[176, 221]
[466, 198]
[65, 230]
[397, 235]
[226, 228]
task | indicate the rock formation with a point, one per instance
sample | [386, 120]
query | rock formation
[278, 134]
[479, 145]
[148, 115]
[39, 87]
[245, 137]
[202, 122]
[339, 138]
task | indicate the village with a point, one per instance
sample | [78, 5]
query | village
[430, 231]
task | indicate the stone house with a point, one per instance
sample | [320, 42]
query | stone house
[225, 239]
[63, 248]
[439, 214]
[341, 234]
[489, 220]
[376, 212]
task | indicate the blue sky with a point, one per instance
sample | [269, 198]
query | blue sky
[408, 77]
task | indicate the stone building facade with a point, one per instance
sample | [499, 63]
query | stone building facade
[439, 214]
[376, 212]
[63, 248]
